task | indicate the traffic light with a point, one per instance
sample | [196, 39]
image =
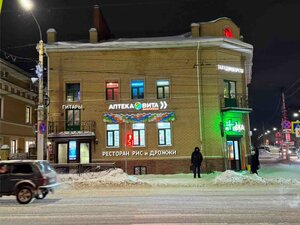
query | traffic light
[129, 139]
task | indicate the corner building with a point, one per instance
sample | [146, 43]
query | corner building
[146, 103]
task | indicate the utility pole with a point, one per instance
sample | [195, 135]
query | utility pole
[283, 121]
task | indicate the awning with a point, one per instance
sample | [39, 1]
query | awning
[139, 117]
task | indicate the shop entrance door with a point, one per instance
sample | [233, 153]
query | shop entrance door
[62, 153]
[234, 157]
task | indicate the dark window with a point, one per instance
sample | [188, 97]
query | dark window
[22, 168]
[73, 92]
[112, 90]
[140, 170]
[137, 89]
[230, 93]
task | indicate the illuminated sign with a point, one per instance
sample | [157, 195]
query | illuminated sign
[72, 107]
[227, 32]
[143, 106]
[129, 139]
[234, 126]
[72, 150]
[295, 125]
[230, 69]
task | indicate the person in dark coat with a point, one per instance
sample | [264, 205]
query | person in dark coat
[254, 160]
[196, 160]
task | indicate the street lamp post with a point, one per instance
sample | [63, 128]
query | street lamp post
[41, 143]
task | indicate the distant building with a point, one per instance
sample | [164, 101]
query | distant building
[17, 111]
[146, 103]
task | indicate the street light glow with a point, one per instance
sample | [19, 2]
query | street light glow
[295, 114]
[274, 128]
[26, 4]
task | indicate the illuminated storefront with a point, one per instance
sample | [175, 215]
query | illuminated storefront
[153, 100]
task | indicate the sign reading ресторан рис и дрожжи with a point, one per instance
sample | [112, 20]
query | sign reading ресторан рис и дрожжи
[150, 153]
[139, 106]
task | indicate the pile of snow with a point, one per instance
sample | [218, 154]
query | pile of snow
[117, 177]
[231, 177]
[92, 179]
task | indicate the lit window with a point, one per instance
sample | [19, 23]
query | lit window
[164, 133]
[112, 90]
[112, 135]
[13, 146]
[163, 89]
[28, 114]
[73, 92]
[138, 131]
[137, 89]
[230, 93]
[28, 144]
[73, 120]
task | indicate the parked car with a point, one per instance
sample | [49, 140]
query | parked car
[292, 151]
[27, 179]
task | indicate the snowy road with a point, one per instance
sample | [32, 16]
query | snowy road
[159, 205]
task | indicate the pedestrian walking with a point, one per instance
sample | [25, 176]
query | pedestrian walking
[254, 160]
[196, 160]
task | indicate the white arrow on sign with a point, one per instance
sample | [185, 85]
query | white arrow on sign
[163, 105]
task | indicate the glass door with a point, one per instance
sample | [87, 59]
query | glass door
[233, 149]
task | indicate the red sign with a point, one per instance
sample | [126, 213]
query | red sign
[129, 139]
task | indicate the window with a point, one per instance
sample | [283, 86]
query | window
[112, 135]
[163, 89]
[230, 93]
[112, 90]
[164, 133]
[28, 114]
[137, 89]
[73, 92]
[1, 107]
[29, 144]
[138, 131]
[25, 168]
[73, 120]
[13, 146]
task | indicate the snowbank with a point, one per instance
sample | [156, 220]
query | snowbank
[117, 177]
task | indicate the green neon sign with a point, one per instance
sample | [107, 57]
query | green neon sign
[233, 126]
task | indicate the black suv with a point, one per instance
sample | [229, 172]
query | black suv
[27, 179]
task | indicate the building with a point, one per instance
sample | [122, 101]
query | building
[146, 103]
[17, 111]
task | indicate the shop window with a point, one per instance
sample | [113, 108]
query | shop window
[72, 119]
[13, 146]
[28, 144]
[112, 135]
[28, 113]
[73, 92]
[230, 93]
[163, 89]
[137, 89]
[140, 170]
[84, 152]
[138, 131]
[164, 133]
[62, 153]
[112, 90]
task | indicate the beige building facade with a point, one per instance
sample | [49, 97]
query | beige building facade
[17, 112]
[146, 103]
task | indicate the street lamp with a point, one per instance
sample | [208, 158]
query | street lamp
[28, 6]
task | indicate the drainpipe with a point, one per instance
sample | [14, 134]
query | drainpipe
[198, 95]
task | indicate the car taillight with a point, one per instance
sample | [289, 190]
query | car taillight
[43, 180]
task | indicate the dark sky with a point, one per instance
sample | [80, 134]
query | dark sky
[271, 26]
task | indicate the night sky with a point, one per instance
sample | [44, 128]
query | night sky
[271, 26]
